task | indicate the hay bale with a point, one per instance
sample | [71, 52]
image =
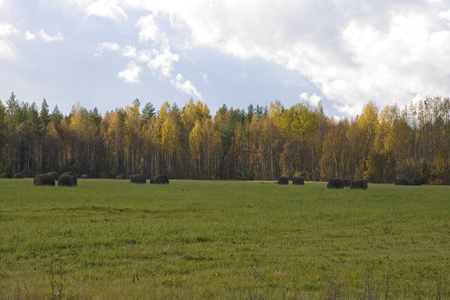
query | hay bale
[347, 182]
[298, 180]
[18, 176]
[159, 179]
[85, 176]
[121, 177]
[67, 180]
[401, 181]
[359, 184]
[5, 175]
[54, 174]
[415, 182]
[44, 179]
[335, 183]
[138, 178]
[283, 180]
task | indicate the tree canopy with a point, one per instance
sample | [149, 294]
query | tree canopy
[261, 143]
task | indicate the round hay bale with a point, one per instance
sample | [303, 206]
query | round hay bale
[121, 177]
[67, 180]
[18, 176]
[85, 176]
[5, 175]
[138, 178]
[401, 181]
[335, 183]
[347, 182]
[359, 184]
[159, 179]
[54, 174]
[415, 182]
[44, 179]
[298, 180]
[283, 180]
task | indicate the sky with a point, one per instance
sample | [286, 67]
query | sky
[105, 53]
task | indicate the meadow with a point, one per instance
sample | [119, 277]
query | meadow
[110, 239]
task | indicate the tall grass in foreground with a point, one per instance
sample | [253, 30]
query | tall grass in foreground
[108, 239]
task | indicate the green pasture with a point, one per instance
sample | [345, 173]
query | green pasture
[110, 239]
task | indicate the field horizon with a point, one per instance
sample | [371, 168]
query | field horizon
[108, 239]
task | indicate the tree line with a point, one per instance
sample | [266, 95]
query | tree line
[260, 143]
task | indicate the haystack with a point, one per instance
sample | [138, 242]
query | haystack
[359, 184]
[67, 180]
[401, 181]
[298, 180]
[5, 175]
[54, 174]
[159, 179]
[335, 183]
[283, 180]
[415, 181]
[347, 182]
[18, 176]
[138, 178]
[121, 177]
[44, 179]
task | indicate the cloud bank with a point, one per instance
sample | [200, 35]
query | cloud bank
[353, 51]
[350, 51]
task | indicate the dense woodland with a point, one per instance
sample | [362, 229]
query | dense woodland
[260, 143]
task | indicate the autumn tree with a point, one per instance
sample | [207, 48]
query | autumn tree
[132, 138]
[297, 125]
[334, 156]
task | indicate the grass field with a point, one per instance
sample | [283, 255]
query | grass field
[108, 239]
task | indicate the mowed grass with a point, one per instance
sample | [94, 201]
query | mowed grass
[110, 239]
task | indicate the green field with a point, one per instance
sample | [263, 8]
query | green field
[109, 239]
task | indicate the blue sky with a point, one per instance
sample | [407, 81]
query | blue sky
[106, 53]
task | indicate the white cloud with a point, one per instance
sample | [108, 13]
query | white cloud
[106, 46]
[7, 50]
[446, 16]
[162, 60]
[353, 51]
[106, 9]
[129, 51]
[48, 38]
[29, 36]
[313, 100]
[148, 29]
[7, 29]
[185, 86]
[130, 74]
